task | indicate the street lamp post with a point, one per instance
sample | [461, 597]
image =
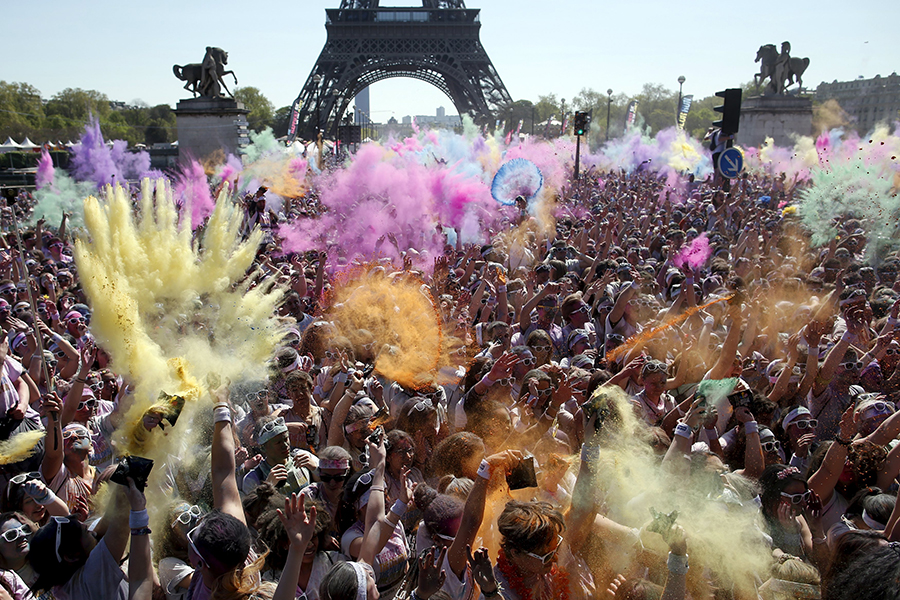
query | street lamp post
[608, 107]
[678, 108]
[563, 119]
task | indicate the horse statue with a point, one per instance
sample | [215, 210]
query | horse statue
[780, 69]
[206, 78]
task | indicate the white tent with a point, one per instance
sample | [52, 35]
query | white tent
[28, 144]
[10, 145]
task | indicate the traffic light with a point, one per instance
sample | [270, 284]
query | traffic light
[581, 122]
[731, 111]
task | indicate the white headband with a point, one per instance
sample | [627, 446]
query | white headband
[361, 582]
[293, 366]
[868, 520]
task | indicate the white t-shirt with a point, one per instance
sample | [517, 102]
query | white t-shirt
[100, 578]
[172, 572]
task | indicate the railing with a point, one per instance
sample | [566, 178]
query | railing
[403, 15]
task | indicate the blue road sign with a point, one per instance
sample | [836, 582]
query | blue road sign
[731, 163]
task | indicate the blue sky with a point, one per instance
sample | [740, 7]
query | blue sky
[127, 49]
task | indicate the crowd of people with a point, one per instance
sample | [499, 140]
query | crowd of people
[760, 378]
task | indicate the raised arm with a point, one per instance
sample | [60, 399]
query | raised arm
[729, 347]
[140, 566]
[226, 496]
[53, 442]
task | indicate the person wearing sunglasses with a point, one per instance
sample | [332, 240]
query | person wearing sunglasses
[800, 431]
[653, 402]
[171, 548]
[544, 303]
[76, 326]
[331, 475]
[260, 401]
[786, 503]
[15, 542]
[72, 563]
[577, 316]
[27, 494]
[830, 393]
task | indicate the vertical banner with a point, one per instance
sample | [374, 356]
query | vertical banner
[565, 125]
[496, 126]
[293, 121]
[631, 114]
[683, 110]
[519, 128]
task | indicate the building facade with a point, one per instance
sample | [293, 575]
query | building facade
[867, 101]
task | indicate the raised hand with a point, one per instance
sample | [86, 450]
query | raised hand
[299, 526]
[482, 570]
[431, 576]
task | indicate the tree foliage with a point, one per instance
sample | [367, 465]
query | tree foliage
[62, 118]
[262, 111]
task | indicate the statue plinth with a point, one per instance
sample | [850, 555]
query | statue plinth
[207, 125]
[777, 117]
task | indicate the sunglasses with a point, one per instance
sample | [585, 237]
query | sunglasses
[8, 290]
[326, 478]
[852, 366]
[332, 355]
[96, 387]
[878, 408]
[59, 523]
[90, 403]
[368, 345]
[201, 562]
[797, 498]
[541, 348]
[59, 354]
[550, 556]
[506, 381]
[23, 477]
[892, 351]
[771, 446]
[405, 451]
[420, 406]
[188, 516]
[583, 309]
[262, 395]
[76, 433]
[615, 337]
[75, 320]
[528, 361]
[14, 535]
[364, 479]
[810, 424]
[654, 367]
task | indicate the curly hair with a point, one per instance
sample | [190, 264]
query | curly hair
[274, 536]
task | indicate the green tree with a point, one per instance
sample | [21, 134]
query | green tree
[21, 110]
[76, 104]
[281, 121]
[657, 105]
[261, 109]
[520, 110]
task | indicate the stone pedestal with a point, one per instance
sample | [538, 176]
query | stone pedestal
[776, 117]
[206, 125]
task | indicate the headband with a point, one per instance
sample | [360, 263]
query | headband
[272, 429]
[793, 416]
[340, 463]
[868, 520]
[361, 581]
[364, 499]
[293, 366]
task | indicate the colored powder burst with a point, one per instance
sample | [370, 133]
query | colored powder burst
[65, 195]
[401, 314]
[44, 176]
[518, 177]
[192, 192]
[856, 190]
[268, 162]
[166, 310]
[20, 446]
[94, 160]
[695, 254]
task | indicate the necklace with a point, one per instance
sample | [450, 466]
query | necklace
[557, 579]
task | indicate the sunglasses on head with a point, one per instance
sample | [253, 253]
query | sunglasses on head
[797, 498]
[548, 558]
[541, 348]
[188, 516]
[654, 367]
[59, 523]
[325, 477]
[23, 477]
[13, 535]
[364, 479]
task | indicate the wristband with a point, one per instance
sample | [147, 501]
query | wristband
[484, 470]
[547, 417]
[847, 336]
[684, 430]
[891, 321]
[590, 453]
[493, 594]
[635, 285]
[814, 353]
[221, 413]
[677, 564]
[501, 289]
[842, 442]
[376, 488]
[140, 531]
[487, 381]
[138, 519]
[751, 427]
[79, 379]
[399, 508]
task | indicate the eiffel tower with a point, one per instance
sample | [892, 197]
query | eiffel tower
[438, 43]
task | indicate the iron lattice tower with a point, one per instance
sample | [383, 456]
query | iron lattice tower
[438, 43]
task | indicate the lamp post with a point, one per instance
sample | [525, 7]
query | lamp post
[608, 107]
[563, 118]
[678, 108]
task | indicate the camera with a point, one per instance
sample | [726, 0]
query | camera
[741, 398]
[136, 467]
